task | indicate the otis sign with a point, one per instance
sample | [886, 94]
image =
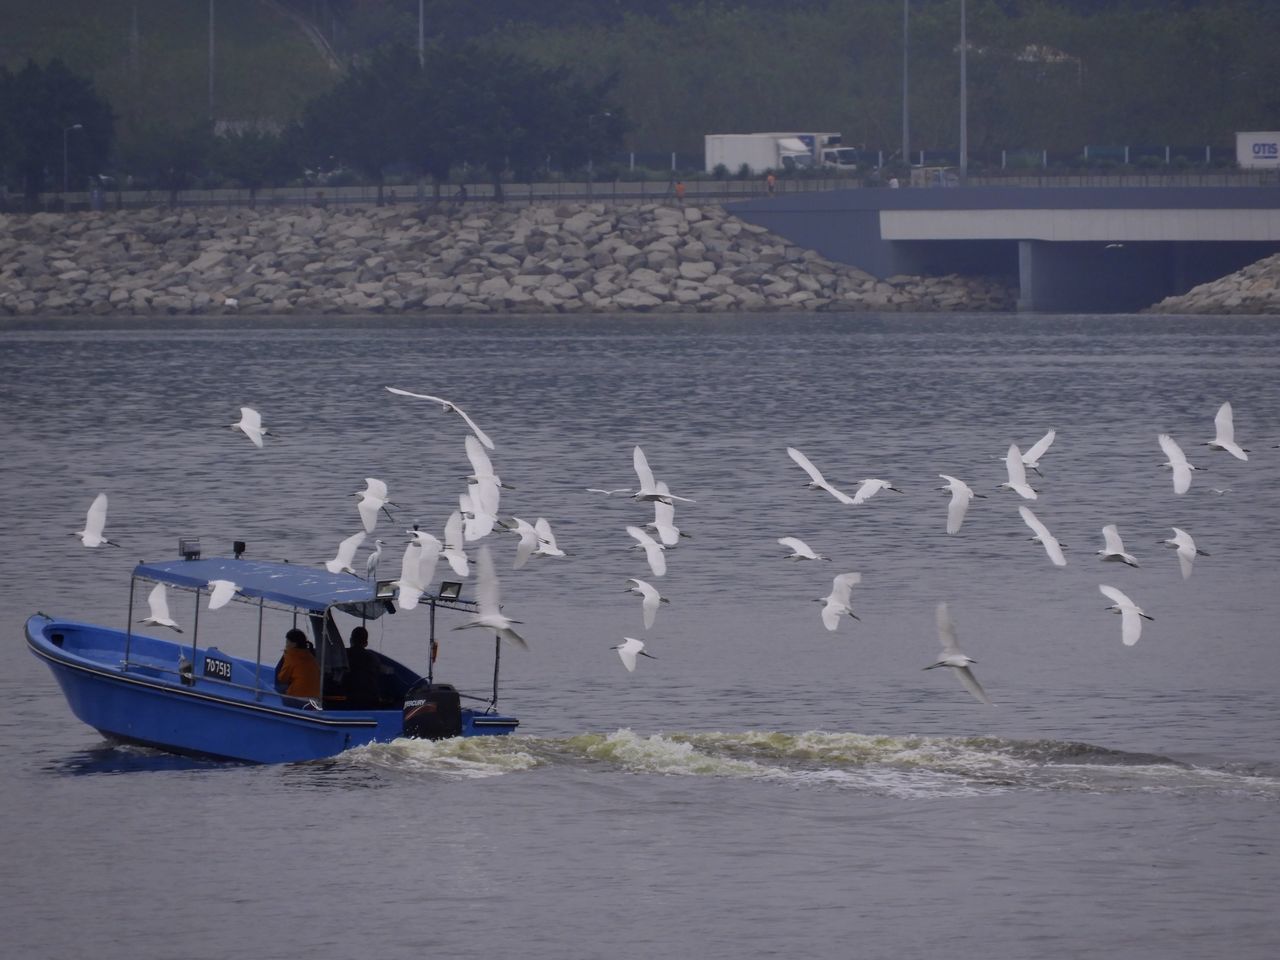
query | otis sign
[1258, 149]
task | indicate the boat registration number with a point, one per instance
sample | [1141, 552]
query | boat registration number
[218, 669]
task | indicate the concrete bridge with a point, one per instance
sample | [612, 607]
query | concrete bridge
[1072, 249]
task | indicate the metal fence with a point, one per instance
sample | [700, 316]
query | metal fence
[613, 191]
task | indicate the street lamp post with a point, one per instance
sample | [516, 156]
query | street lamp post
[65, 131]
[906, 112]
[964, 97]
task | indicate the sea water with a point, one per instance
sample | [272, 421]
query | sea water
[764, 787]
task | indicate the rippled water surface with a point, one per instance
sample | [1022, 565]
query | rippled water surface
[764, 787]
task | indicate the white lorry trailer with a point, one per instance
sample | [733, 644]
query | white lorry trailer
[777, 151]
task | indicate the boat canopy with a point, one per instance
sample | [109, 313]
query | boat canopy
[294, 585]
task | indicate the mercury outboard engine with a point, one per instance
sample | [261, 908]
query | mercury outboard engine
[432, 711]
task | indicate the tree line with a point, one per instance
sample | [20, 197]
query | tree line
[493, 110]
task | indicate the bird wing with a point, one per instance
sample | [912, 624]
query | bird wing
[831, 613]
[95, 520]
[1172, 450]
[1032, 521]
[946, 629]
[251, 419]
[346, 552]
[1016, 468]
[1130, 625]
[1114, 595]
[842, 586]
[1053, 549]
[641, 464]
[369, 506]
[427, 561]
[795, 544]
[376, 487]
[1224, 425]
[453, 531]
[220, 593]
[481, 465]
[486, 584]
[420, 396]
[480, 434]
[806, 465]
[866, 490]
[158, 601]
[409, 566]
[971, 684]
[649, 606]
[524, 550]
[1111, 539]
[957, 508]
[1038, 448]
[628, 650]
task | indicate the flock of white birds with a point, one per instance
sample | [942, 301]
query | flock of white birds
[478, 515]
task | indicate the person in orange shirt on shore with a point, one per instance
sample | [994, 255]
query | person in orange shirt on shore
[298, 673]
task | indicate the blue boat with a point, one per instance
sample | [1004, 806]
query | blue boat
[196, 699]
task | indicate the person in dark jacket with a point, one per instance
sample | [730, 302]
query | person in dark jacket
[362, 672]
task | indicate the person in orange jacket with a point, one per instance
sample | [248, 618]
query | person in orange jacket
[298, 673]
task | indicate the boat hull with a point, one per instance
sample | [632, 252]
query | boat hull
[149, 701]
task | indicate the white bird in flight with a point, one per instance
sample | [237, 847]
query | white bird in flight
[221, 592]
[961, 495]
[1031, 457]
[250, 423]
[528, 535]
[1187, 550]
[653, 551]
[490, 616]
[1113, 547]
[417, 570]
[158, 601]
[1043, 536]
[649, 489]
[799, 549]
[664, 520]
[650, 599]
[448, 407]
[373, 500]
[346, 553]
[95, 522]
[546, 540]
[1131, 615]
[453, 551]
[608, 493]
[1017, 470]
[953, 658]
[1177, 462]
[870, 487]
[816, 480]
[629, 649]
[836, 603]
[481, 465]
[1225, 437]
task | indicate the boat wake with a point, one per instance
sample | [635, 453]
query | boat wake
[908, 766]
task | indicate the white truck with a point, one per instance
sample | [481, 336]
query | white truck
[777, 151]
[1258, 150]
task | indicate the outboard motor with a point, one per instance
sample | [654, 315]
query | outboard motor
[432, 711]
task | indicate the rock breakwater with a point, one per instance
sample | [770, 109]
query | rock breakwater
[549, 258]
[1255, 289]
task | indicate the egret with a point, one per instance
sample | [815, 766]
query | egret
[481, 465]
[158, 601]
[490, 616]
[1031, 457]
[453, 549]
[346, 553]
[1225, 437]
[1177, 462]
[664, 520]
[870, 487]
[528, 539]
[608, 493]
[816, 480]
[837, 601]
[650, 599]
[1187, 550]
[1113, 547]
[417, 570]
[799, 549]
[649, 489]
[94, 523]
[961, 495]
[653, 551]
[628, 650]
[546, 540]
[953, 658]
[221, 592]
[371, 561]
[1131, 615]
[1043, 536]
[1017, 470]
[373, 500]
[448, 407]
[250, 423]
